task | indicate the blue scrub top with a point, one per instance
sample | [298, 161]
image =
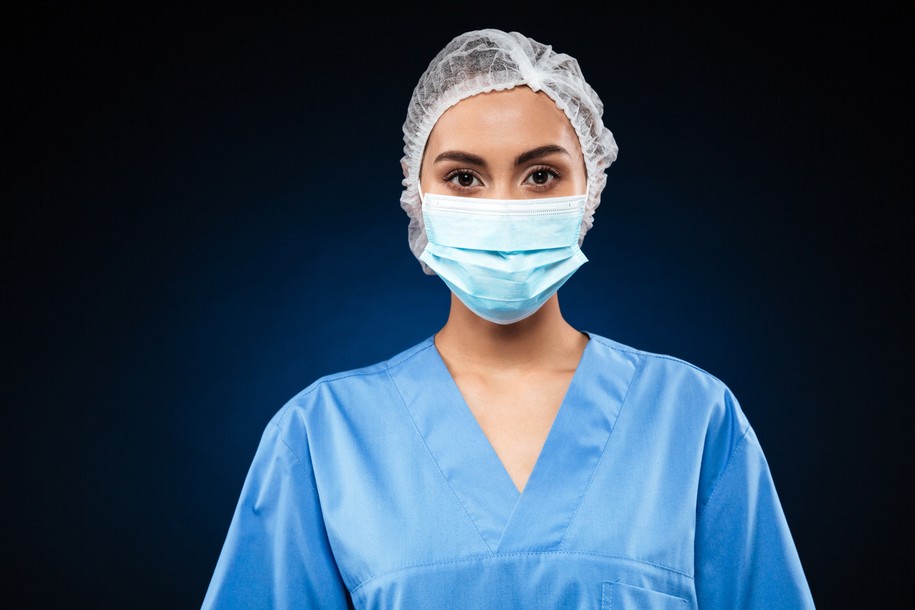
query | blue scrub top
[377, 488]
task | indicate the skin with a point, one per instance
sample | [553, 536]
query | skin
[512, 377]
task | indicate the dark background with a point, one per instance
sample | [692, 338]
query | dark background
[201, 216]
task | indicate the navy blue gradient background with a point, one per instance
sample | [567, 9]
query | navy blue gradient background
[201, 217]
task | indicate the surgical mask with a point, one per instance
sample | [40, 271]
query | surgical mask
[503, 258]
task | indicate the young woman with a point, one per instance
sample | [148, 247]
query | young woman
[509, 460]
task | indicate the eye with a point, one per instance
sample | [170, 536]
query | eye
[542, 177]
[463, 179]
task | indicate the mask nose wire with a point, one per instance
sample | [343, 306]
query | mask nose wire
[586, 196]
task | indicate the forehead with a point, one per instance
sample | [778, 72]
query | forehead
[515, 118]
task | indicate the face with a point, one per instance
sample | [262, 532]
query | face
[513, 144]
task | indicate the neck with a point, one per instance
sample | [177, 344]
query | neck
[542, 340]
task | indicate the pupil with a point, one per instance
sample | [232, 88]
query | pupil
[465, 179]
[540, 177]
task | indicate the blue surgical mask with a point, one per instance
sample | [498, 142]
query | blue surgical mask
[503, 258]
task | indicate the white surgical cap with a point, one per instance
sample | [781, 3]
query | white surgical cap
[493, 60]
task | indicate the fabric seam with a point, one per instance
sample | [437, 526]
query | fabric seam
[638, 352]
[603, 450]
[437, 465]
[737, 447]
[371, 370]
[518, 554]
[314, 486]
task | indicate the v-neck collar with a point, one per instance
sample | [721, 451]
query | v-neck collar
[509, 520]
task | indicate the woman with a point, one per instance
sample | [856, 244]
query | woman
[510, 460]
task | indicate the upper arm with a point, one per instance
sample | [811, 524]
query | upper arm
[276, 553]
[745, 555]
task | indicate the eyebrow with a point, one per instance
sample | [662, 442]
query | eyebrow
[463, 157]
[541, 151]
[536, 153]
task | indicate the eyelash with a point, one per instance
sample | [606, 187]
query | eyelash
[449, 179]
[553, 173]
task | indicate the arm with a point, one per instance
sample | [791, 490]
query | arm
[276, 553]
[745, 555]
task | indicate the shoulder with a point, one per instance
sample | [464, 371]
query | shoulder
[677, 388]
[333, 398]
[703, 410]
[658, 366]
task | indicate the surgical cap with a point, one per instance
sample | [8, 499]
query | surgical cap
[492, 60]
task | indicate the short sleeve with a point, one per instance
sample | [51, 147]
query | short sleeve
[745, 555]
[276, 553]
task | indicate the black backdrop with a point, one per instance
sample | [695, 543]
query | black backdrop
[201, 217]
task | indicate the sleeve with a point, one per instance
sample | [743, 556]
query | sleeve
[276, 553]
[745, 555]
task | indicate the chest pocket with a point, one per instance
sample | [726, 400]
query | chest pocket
[619, 596]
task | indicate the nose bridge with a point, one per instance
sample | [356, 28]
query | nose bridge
[503, 191]
[503, 183]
